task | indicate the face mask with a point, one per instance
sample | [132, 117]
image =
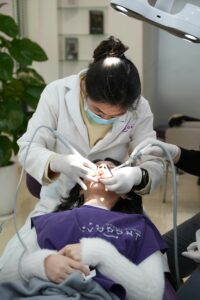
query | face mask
[97, 119]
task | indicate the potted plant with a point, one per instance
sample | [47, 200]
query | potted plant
[20, 89]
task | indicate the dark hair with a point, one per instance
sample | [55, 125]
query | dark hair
[116, 82]
[133, 203]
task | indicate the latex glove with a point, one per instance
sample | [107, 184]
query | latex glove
[75, 166]
[123, 179]
[174, 150]
[192, 252]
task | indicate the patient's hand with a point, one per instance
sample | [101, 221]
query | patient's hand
[73, 251]
[58, 267]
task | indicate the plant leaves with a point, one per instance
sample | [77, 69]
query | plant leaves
[5, 150]
[8, 26]
[13, 89]
[25, 51]
[30, 76]
[6, 66]
[32, 94]
[11, 116]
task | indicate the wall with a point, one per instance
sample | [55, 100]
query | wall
[8, 8]
[130, 31]
[171, 73]
[42, 27]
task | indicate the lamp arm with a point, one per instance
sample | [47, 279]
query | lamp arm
[164, 5]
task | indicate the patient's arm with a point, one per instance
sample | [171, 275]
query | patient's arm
[32, 263]
[144, 281]
[42, 263]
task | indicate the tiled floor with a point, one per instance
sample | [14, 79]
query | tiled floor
[160, 213]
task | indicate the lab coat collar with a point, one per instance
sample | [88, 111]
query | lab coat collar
[71, 82]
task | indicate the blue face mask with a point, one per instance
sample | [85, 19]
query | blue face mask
[97, 119]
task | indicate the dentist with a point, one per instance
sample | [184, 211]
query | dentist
[101, 112]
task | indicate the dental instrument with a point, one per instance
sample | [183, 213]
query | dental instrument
[132, 158]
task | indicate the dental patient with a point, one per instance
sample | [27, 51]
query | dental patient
[96, 232]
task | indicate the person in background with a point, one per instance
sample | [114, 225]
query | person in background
[188, 251]
[100, 112]
[97, 228]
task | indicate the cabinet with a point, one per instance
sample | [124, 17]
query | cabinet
[82, 24]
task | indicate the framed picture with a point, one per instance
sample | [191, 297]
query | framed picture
[96, 22]
[71, 48]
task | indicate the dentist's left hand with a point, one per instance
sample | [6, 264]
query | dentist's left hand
[75, 166]
[123, 180]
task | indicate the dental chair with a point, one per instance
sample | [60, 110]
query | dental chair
[33, 186]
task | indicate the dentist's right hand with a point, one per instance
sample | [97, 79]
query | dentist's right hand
[174, 150]
[75, 166]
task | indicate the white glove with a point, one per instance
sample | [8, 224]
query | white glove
[156, 150]
[192, 252]
[75, 166]
[123, 179]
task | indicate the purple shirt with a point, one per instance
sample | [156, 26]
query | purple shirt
[134, 235]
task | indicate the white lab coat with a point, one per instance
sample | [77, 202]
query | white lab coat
[59, 108]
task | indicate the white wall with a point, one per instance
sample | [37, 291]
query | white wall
[130, 31]
[8, 8]
[42, 27]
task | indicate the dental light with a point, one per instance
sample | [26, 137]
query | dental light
[184, 24]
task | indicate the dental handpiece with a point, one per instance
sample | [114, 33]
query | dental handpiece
[133, 157]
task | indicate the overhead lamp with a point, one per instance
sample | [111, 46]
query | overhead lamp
[184, 24]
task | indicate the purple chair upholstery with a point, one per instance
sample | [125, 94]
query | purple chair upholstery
[33, 186]
[170, 293]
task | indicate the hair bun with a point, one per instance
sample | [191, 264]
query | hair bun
[112, 47]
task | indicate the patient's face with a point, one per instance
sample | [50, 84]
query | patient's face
[104, 169]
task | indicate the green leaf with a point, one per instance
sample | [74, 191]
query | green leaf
[11, 116]
[25, 51]
[38, 53]
[20, 53]
[6, 66]
[5, 150]
[13, 89]
[8, 25]
[32, 95]
[29, 76]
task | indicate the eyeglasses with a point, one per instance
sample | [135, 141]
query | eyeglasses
[101, 109]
